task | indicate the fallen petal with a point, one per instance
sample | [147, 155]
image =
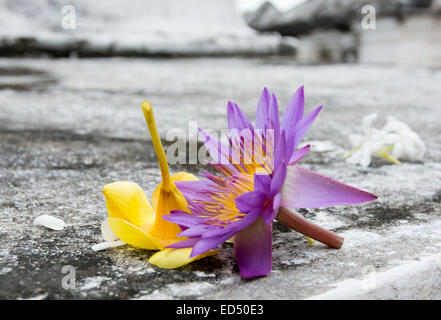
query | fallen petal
[108, 244]
[107, 232]
[49, 222]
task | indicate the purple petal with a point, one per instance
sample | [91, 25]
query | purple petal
[267, 213]
[280, 151]
[242, 144]
[276, 203]
[219, 152]
[246, 221]
[218, 232]
[267, 117]
[307, 189]
[253, 249]
[278, 179]
[304, 124]
[273, 121]
[271, 210]
[184, 243]
[195, 189]
[262, 182]
[236, 118]
[250, 200]
[289, 146]
[196, 231]
[182, 218]
[205, 244]
[236, 226]
[294, 111]
[262, 109]
[298, 155]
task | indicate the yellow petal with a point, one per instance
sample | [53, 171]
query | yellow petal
[165, 201]
[183, 176]
[175, 258]
[180, 176]
[133, 235]
[126, 200]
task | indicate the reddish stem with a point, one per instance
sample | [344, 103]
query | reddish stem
[309, 229]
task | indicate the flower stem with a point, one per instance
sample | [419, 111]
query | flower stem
[350, 153]
[147, 109]
[309, 229]
[384, 154]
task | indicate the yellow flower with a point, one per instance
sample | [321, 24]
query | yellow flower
[134, 221]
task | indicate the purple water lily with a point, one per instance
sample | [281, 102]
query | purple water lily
[259, 180]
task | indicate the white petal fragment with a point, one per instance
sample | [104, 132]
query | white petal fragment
[107, 232]
[108, 244]
[49, 222]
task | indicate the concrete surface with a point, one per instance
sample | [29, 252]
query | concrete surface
[68, 126]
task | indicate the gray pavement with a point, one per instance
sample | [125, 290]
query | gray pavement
[69, 126]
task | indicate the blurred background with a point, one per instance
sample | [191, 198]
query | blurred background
[73, 75]
[312, 31]
[199, 53]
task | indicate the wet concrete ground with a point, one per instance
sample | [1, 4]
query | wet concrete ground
[68, 127]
